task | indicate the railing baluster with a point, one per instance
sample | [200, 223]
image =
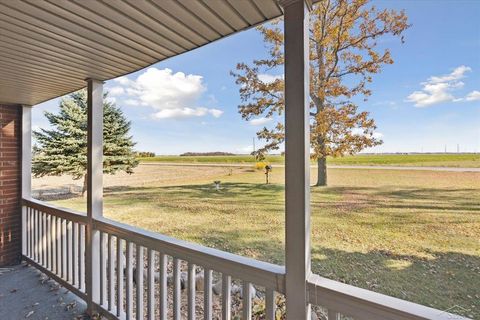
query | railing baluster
[247, 300]
[129, 263]
[119, 277]
[32, 234]
[111, 271]
[333, 315]
[69, 250]
[177, 303]
[64, 248]
[53, 224]
[163, 287]
[35, 253]
[40, 238]
[47, 242]
[139, 297]
[75, 254]
[207, 294]
[39, 217]
[59, 246]
[44, 240]
[24, 233]
[81, 240]
[191, 291]
[151, 285]
[226, 297]
[103, 268]
[53, 261]
[269, 304]
[29, 233]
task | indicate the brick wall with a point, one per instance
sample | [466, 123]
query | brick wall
[10, 185]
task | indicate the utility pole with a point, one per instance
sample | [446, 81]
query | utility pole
[445, 149]
[253, 139]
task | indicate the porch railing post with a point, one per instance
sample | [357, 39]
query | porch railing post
[94, 189]
[297, 157]
[26, 168]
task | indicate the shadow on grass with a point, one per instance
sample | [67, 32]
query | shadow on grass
[192, 198]
[446, 280]
[356, 197]
[406, 198]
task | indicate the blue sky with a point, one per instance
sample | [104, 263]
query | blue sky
[429, 98]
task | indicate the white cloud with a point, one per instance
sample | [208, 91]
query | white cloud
[269, 78]
[457, 74]
[260, 121]
[186, 113]
[123, 80]
[171, 95]
[361, 132]
[131, 102]
[116, 91]
[437, 89]
[473, 96]
[215, 112]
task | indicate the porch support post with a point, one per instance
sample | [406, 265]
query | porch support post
[94, 189]
[26, 168]
[297, 157]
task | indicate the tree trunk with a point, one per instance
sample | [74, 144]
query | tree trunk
[322, 171]
[84, 189]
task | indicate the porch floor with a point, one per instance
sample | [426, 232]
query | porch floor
[26, 293]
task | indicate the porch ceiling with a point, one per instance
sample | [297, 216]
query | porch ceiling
[48, 48]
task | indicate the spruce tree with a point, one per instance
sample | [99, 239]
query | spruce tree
[63, 148]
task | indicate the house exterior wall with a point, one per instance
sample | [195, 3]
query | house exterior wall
[10, 184]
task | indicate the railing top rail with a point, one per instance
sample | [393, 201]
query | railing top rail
[64, 213]
[364, 304]
[258, 272]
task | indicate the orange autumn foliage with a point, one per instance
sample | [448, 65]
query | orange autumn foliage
[344, 55]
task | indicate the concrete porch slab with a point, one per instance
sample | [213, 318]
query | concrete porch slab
[26, 293]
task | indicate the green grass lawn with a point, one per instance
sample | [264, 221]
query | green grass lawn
[468, 160]
[410, 234]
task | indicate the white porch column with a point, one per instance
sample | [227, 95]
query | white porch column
[26, 168]
[297, 157]
[94, 189]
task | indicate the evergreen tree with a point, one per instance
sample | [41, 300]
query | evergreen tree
[63, 149]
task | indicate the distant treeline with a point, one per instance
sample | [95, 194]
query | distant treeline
[144, 154]
[196, 154]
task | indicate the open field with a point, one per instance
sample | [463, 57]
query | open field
[464, 160]
[411, 234]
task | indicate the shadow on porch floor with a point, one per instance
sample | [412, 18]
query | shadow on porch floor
[26, 293]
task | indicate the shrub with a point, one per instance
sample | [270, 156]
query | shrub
[260, 165]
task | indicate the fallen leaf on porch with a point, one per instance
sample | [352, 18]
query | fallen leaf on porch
[29, 314]
[70, 305]
[54, 288]
[13, 290]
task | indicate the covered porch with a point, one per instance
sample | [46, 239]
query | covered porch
[49, 49]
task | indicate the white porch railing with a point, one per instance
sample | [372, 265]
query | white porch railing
[169, 282]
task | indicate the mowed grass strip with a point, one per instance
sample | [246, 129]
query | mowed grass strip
[410, 234]
[462, 160]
